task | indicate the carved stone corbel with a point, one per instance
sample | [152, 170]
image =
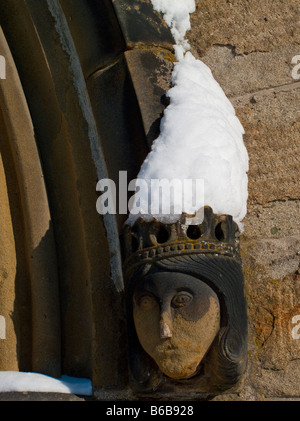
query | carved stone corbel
[186, 310]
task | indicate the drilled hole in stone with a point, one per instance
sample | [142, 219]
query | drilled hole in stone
[220, 232]
[162, 235]
[194, 232]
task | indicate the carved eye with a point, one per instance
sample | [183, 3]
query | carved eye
[147, 302]
[181, 299]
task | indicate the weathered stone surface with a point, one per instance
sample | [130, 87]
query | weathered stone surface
[140, 24]
[37, 233]
[280, 382]
[8, 265]
[102, 32]
[276, 219]
[249, 47]
[239, 74]
[259, 82]
[248, 26]
[150, 72]
[272, 125]
[90, 306]
[270, 267]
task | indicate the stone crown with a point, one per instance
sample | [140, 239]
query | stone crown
[147, 241]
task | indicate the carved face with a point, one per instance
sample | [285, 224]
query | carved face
[176, 317]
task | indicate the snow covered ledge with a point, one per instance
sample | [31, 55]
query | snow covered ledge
[16, 381]
[200, 134]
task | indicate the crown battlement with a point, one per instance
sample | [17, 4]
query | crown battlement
[147, 241]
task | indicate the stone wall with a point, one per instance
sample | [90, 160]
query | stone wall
[249, 47]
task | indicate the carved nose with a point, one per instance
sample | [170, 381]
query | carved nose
[165, 326]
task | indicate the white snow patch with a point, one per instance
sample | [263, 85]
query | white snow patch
[200, 134]
[17, 381]
[176, 14]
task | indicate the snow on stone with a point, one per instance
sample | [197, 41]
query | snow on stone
[200, 134]
[16, 381]
[176, 14]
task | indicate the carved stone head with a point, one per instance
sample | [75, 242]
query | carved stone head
[185, 304]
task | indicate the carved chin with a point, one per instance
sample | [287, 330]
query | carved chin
[177, 358]
[178, 368]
